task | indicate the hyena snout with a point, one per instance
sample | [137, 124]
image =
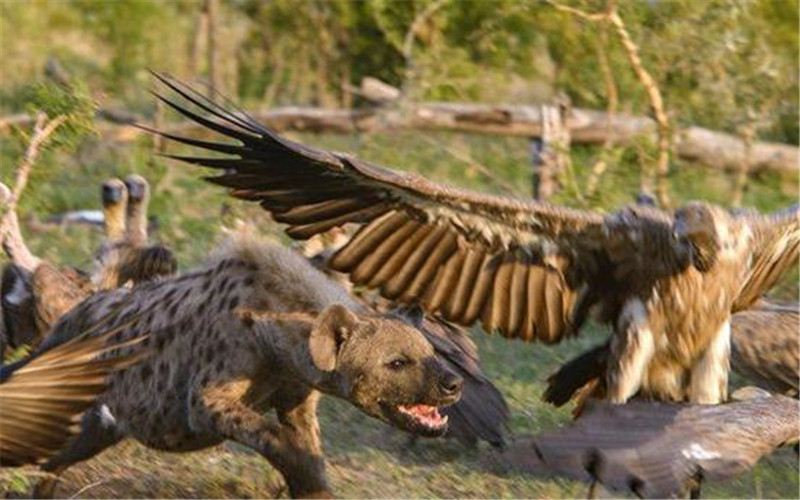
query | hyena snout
[450, 384]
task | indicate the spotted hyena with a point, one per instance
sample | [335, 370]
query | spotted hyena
[215, 371]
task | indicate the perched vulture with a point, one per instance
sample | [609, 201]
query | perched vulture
[765, 347]
[668, 283]
[662, 450]
[34, 294]
[43, 396]
[129, 258]
[482, 411]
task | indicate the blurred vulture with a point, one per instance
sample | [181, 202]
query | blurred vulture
[765, 347]
[128, 258]
[482, 411]
[662, 450]
[668, 283]
[43, 396]
[34, 294]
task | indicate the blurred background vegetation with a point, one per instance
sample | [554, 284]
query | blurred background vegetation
[728, 65]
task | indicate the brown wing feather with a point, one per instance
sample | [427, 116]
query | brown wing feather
[42, 398]
[765, 346]
[313, 190]
[777, 249]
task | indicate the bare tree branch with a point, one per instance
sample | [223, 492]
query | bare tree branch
[411, 34]
[612, 103]
[656, 103]
[10, 235]
[611, 16]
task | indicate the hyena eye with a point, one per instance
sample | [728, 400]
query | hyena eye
[398, 364]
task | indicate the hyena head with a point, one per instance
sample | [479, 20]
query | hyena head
[388, 367]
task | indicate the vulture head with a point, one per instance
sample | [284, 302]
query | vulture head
[700, 226]
[138, 199]
[138, 189]
[114, 195]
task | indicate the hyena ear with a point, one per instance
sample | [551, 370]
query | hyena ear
[330, 331]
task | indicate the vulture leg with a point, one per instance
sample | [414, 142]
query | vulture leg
[709, 383]
[632, 348]
[98, 432]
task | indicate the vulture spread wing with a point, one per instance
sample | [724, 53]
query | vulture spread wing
[657, 449]
[525, 268]
[43, 397]
[777, 249]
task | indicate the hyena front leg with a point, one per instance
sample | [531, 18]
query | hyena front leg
[632, 349]
[292, 445]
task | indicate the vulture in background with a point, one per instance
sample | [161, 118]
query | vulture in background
[129, 258]
[765, 348]
[43, 396]
[667, 282]
[34, 294]
[482, 412]
[662, 450]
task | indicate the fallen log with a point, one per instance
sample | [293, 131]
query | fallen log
[710, 148]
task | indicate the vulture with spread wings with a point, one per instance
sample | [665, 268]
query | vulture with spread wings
[530, 270]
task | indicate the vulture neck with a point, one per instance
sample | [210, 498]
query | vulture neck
[137, 222]
[114, 222]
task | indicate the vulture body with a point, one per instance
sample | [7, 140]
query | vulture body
[530, 270]
[43, 396]
[662, 450]
[34, 294]
[128, 257]
[765, 347]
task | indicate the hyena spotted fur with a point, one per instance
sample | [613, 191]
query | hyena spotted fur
[213, 373]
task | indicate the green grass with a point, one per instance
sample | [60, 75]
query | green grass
[365, 457]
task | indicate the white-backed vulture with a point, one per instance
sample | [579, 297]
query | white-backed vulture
[667, 283]
[662, 450]
[130, 259]
[765, 347]
[43, 396]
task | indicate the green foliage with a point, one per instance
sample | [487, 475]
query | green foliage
[73, 102]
